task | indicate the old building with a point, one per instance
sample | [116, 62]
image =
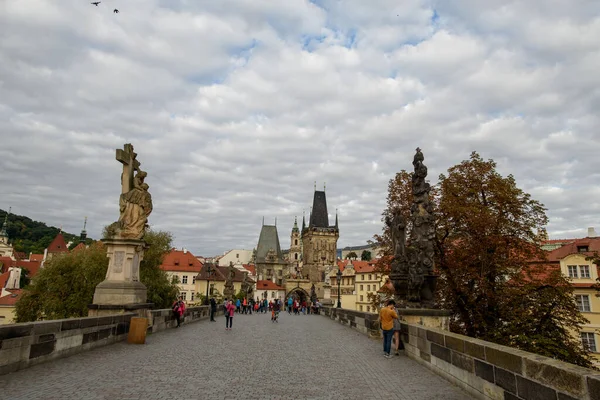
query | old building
[212, 278]
[236, 256]
[295, 252]
[183, 267]
[319, 240]
[270, 264]
[269, 290]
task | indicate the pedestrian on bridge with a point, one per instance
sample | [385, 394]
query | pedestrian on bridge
[229, 315]
[238, 304]
[213, 309]
[178, 310]
[387, 316]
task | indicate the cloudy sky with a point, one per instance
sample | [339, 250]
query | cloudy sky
[236, 107]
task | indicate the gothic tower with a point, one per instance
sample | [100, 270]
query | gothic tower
[319, 240]
[295, 246]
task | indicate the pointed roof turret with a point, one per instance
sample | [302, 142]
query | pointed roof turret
[303, 221]
[295, 228]
[268, 242]
[58, 245]
[336, 218]
[319, 217]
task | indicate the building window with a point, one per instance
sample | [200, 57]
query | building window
[582, 249]
[583, 302]
[368, 308]
[295, 256]
[237, 255]
[368, 288]
[192, 296]
[361, 287]
[280, 272]
[295, 242]
[272, 295]
[361, 308]
[184, 295]
[193, 279]
[361, 297]
[588, 341]
[572, 271]
[584, 271]
[176, 262]
[369, 276]
[212, 287]
[184, 280]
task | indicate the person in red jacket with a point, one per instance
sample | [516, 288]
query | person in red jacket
[229, 312]
[178, 310]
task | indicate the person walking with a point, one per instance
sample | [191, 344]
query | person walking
[229, 315]
[178, 310]
[289, 304]
[213, 309]
[387, 316]
[238, 304]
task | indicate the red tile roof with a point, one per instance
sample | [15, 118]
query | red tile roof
[79, 247]
[360, 267]
[36, 257]
[12, 298]
[251, 268]
[3, 278]
[593, 245]
[268, 285]
[58, 245]
[178, 261]
[6, 262]
[31, 266]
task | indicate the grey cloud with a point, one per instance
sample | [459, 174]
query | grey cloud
[234, 117]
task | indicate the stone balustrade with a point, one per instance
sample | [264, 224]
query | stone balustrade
[363, 322]
[485, 370]
[27, 344]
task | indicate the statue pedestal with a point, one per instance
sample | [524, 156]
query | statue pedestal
[427, 317]
[122, 290]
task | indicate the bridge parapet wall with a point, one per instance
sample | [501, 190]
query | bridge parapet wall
[492, 371]
[165, 319]
[484, 369]
[27, 344]
[363, 322]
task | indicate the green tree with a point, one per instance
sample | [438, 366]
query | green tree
[351, 256]
[66, 284]
[161, 291]
[64, 287]
[365, 255]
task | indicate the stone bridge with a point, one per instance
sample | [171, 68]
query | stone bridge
[300, 357]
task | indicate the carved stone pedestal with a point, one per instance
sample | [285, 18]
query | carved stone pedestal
[427, 317]
[122, 290]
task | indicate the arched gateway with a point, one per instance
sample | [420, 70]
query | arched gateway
[298, 293]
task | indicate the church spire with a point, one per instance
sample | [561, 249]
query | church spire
[336, 218]
[295, 228]
[303, 221]
[3, 231]
[83, 235]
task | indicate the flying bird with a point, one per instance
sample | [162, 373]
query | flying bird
[116, 11]
[96, 3]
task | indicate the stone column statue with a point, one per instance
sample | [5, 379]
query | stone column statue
[124, 242]
[412, 266]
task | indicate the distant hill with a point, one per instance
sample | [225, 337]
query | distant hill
[30, 236]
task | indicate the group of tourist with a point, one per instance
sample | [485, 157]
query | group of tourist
[246, 306]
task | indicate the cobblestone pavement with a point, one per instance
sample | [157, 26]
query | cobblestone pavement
[301, 357]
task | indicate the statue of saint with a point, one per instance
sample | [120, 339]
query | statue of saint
[135, 207]
[397, 226]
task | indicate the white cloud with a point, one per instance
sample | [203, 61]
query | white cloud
[237, 108]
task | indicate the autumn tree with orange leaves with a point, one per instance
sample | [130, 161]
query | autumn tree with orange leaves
[490, 262]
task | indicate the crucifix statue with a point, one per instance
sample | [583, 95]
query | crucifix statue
[127, 157]
[135, 202]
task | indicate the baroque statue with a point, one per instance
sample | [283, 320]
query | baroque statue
[229, 291]
[412, 271]
[135, 202]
